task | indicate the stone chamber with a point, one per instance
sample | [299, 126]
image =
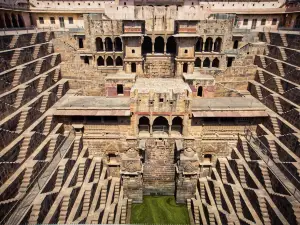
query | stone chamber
[91, 121]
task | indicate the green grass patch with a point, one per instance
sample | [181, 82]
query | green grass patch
[159, 210]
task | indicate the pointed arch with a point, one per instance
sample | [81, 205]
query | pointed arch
[14, 20]
[206, 63]
[208, 44]
[100, 61]
[218, 44]
[118, 44]
[109, 61]
[177, 124]
[215, 63]
[119, 61]
[198, 62]
[108, 45]
[99, 44]
[147, 45]
[199, 45]
[171, 45]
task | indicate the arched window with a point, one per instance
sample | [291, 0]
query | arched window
[119, 61]
[217, 45]
[171, 45]
[7, 21]
[109, 61]
[99, 44]
[199, 45]
[118, 44]
[133, 68]
[206, 63]
[235, 44]
[161, 124]
[159, 45]
[177, 124]
[147, 45]
[144, 124]
[100, 61]
[200, 91]
[21, 21]
[108, 44]
[14, 20]
[208, 44]
[198, 62]
[215, 63]
[185, 67]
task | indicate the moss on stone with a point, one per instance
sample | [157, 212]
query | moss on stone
[159, 210]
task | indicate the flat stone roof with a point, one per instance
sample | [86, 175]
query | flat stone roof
[121, 75]
[160, 85]
[227, 103]
[198, 76]
[94, 106]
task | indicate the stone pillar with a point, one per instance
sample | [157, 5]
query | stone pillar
[190, 68]
[127, 67]
[151, 127]
[210, 63]
[152, 48]
[165, 47]
[139, 68]
[114, 61]
[203, 47]
[179, 70]
[104, 60]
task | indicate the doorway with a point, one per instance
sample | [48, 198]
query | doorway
[254, 21]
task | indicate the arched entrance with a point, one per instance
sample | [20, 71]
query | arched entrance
[198, 62]
[160, 124]
[177, 125]
[159, 45]
[108, 45]
[14, 20]
[217, 45]
[119, 61]
[118, 44]
[109, 61]
[208, 45]
[199, 45]
[185, 68]
[7, 21]
[100, 61]
[99, 44]
[171, 45]
[144, 124]
[147, 45]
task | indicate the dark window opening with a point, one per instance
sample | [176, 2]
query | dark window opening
[177, 124]
[217, 45]
[171, 45]
[99, 44]
[206, 63]
[118, 44]
[133, 68]
[80, 42]
[274, 21]
[161, 100]
[229, 61]
[207, 158]
[235, 44]
[119, 61]
[245, 22]
[108, 44]
[52, 20]
[147, 45]
[185, 67]
[14, 20]
[144, 124]
[185, 51]
[41, 20]
[198, 62]
[215, 63]
[120, 90]
[159, 45]
[111, 119]
[86, 60]
[199, 45]
[71, 21]
[263, 22]
[100, 61]
[109, 61]
[208, 45]
[132, 51]
[200, 91]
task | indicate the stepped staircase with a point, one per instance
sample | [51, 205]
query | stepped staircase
[280, 68]
[22, 121]
[13, 41]
[275, 126]
[24, 148]
[279, 85]
[264, 210]
[17, 77]
[47, 126]
[60, 177]
[277, 104]
[64, 210]
[283, 38]
[273, 149]
[19, 98]
[242, 175]
[15, 57]
[33, 39]
[26, 180]
[265, 174]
